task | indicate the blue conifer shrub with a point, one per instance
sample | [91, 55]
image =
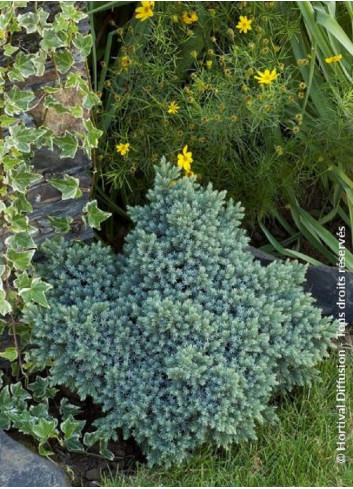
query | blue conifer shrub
[184, 339]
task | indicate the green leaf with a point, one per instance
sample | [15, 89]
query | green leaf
[6, 121]
[72, 430]
[17, 101]
[22, 281]
[36, 292]
[9, 50]
[19, 394]
[70, 12]
[45, 429]
[21, 259]
[90, 100]
[39, 60]
[10, 354]
[23, 137]
[5, 306]
[20, 178]
[28, 21]
[20, 241]
[95, 216]
[66, 408]
[61, 224]
[22, 68]
[92, 136]
[69, 187]
[83, 44]
[52, 40]
[68, 145]
[63, 61]
[41, 389]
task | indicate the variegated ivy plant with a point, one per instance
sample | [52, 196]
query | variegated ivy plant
[59, 43]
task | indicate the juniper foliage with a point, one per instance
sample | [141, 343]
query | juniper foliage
[184, 338]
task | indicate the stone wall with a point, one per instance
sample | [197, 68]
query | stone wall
[45, 199]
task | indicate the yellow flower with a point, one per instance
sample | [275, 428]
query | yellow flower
[334, 59]
[185, 159]
[124, 63]
[145, 11]
[173, 108]
[189, 173]
[266, 77]
[209, 64]
[189, 17]
[244, 24]
[122, 148]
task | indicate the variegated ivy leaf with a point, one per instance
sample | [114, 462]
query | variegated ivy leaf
[68, 186]
[63, 61]
[83, 44]
[33, 21]
[92, 136]
[23, 137]
[21, 177]
[61, 224]
[21, 260]
[23, 67]
[35, 292]
[94, 216]
[20, 241]
[9, 50]
[5, 306]
[39, 59]
[90, 100]
[70, 12]
[52, 40]
[67, 144]
[10, 353]
[17, 101]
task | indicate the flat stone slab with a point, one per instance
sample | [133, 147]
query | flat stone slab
[19, 467]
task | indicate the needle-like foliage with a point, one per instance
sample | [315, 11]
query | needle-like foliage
[185, 338]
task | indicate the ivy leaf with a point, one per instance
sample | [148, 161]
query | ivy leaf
[6, 121]
[22, 68]
[44, 430]
[90, 100]
[72, 430]
[36, 292]
[94, 215]
[41, 389]
[39, 61]
[22, 281]
[52, 40]
[22, 137]
[68, 145]
[17, 101]
[92, 136]
[69, 187]
[63, 61]
[21, 259]
[66, 408]
[9, 354]
[69, 12]
[28, 21]
[20, 241]
[5, 306]
[9, 50]
[20, 178]
[83, 44]
[61, 224]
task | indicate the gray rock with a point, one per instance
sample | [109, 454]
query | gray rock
[19, 467]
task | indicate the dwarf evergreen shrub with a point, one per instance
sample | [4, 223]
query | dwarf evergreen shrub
[185, 338]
